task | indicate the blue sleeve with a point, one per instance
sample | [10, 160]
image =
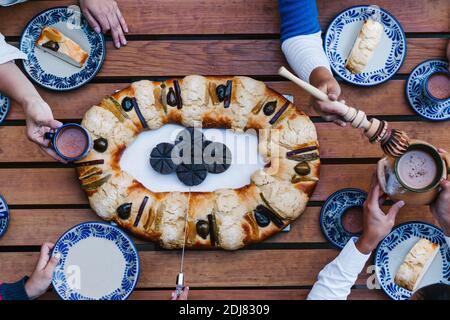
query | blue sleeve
[14, 291]
[298, 17]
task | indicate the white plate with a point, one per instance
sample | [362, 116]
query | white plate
[98, 262]
[50, 71]
[387, 58]
[392, 251]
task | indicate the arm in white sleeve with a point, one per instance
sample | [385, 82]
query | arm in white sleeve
[7, 3]
[447, 239]
[305, 53]
[336, 279]
[9, 52]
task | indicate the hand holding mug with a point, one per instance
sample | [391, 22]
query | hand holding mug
[440, 208]
[39, 120]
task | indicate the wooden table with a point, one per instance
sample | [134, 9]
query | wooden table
[236, 37]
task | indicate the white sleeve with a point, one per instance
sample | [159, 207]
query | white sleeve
[9, 52]
[305, 53]
[336, 279]
[447, 239]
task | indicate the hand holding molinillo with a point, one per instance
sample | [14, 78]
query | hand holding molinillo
[393, 142]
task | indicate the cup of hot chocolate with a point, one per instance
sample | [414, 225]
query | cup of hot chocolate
[414, 177]
[70, 141]
[437, 86]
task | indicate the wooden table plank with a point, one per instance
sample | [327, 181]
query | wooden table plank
[243, 268]
[225, 57]
[385, 99]
[232, 17]
[59, 185]
[32, 227]
[332, 140]
[241, 294]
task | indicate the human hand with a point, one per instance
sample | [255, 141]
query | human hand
[39, 119]
[182, 296]
[448, 54]
[377, 224]
[440, 208]
[41, 278]
[323, 80]
[105, 15]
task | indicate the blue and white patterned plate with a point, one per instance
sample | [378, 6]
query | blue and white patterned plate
[420, 103]
[52, 72]
[387, 58]
[332, 212]
[391, 253]
[4, 216]
[98, 262]
[4, 107]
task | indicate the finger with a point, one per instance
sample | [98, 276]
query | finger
[122, 21]
[445, 155]
[375, 191]
[44, 256]
[340, 122]
[393, 211]
[334, 90]
[115, 30]
[330, 118]
[51, 265]
[53, 154]
[445, 185]
[184, 294]
[330, 108]
[92, 22]
[104, 23]
[54, 124]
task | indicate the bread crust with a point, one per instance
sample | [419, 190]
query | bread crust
[231, 215]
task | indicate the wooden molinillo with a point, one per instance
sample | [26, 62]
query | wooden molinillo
[393, 142]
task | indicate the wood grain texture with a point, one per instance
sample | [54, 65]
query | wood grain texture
[32, 227]
[156, 58]
[385, 99]
[241, 294]
[225, 57]
[232, 17]
[205, 269]
[60, 186]
[335, 141]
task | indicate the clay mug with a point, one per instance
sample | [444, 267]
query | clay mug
[70, 141]
[396, 189]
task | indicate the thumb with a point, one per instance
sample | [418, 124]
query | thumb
[334, 90]
[54, 124]
[51, 265]
[393, 211]
[445, 184]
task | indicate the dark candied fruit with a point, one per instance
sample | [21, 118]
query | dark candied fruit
[261, 219]
[220, 92]
[191, 174]
[228, 91]
[203, 228]
[171, 98]
[161, 158]
[124, 211]
[52, 45]
[216, 156]
[101, 144]
[128, 104]
[269, 108]
[302, 168]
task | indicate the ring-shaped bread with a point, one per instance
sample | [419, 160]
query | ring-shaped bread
[226, 218]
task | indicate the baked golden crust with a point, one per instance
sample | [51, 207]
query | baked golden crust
[227, 218]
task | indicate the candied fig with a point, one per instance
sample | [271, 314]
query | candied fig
[101, 144]
[124, 211]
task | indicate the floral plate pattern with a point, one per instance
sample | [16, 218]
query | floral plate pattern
[98, 230]
[392, 30]
[4, 216]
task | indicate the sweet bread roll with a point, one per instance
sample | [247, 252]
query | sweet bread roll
[227, 219]
[416, 264]
[364, 47]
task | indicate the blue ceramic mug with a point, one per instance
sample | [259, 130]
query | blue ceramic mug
[70, 141]
[429, 92]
